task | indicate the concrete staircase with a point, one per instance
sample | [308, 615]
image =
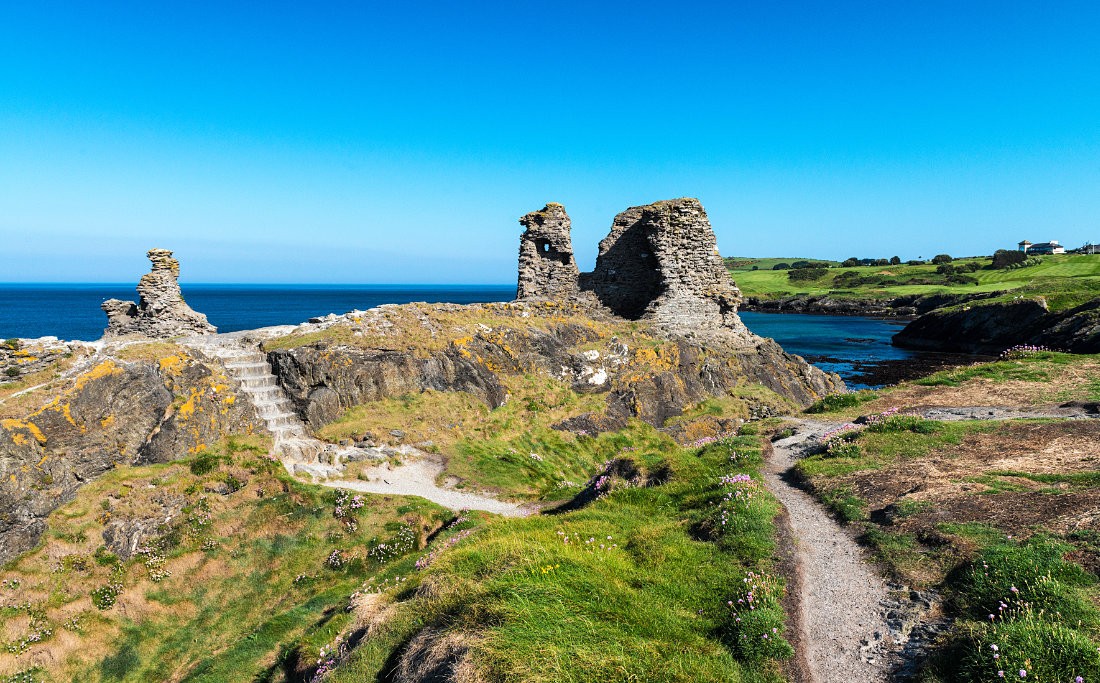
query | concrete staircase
[300, 452]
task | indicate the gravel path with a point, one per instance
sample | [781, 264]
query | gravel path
[417, 478]
[844, 629]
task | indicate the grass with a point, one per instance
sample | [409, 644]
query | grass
[836, 402]
[880, 448]
[514, 450]
[602, 593]
[1025, 603]
[247, 579]
[1063, 280]
[248, 591]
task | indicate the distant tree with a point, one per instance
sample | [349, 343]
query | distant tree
[756, 267]
[1003, 258]
[781, 266]
[801, 264]
[880, 262]
[942, 258]
[895, 260]
[914, 262]
[806, 274]
[850, 263]
[946, 269]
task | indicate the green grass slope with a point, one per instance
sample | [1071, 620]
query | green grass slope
[1072, 277]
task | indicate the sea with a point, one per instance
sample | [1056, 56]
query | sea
[856, 348]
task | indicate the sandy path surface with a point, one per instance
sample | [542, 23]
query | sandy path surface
[843, 626]
[417, 478]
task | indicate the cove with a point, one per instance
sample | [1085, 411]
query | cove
[856, 348]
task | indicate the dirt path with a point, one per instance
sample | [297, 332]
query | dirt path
[417, 478]
[844, 630]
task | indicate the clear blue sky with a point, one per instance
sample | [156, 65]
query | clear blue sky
[399, 142]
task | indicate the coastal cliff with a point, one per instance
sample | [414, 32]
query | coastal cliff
[996, 326]
[124, 409]
[654, 327]
[651, 333]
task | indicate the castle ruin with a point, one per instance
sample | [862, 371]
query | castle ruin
[660, 263]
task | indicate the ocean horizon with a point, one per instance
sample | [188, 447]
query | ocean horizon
[69, 310]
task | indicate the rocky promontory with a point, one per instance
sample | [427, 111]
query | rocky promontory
[120, 407]
[995, 326]
[649, 334]
[654, 327]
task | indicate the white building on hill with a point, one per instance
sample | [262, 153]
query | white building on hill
[1051, 247]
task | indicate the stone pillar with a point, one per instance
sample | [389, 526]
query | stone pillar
[547, 269]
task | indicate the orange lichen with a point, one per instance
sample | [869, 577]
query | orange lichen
[104, 369]
[172, 365]
[23, 425]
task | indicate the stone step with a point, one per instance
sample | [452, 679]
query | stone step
[264, 394]
[261, 382]
[247, 365]
[251, 373]
[278, 416]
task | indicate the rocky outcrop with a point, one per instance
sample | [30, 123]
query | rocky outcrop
[659, 263]
[22, 357]
[119, 412]
[651, 381]
[547, 269]
[161, 311]
[993, 327]
[905, 306]
[323, 381]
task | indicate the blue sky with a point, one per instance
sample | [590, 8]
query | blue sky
[399, 142]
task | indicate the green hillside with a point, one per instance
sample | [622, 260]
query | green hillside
[1069, 277]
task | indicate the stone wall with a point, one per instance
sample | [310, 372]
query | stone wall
[660, 263]
[547, 269]
[161, 311]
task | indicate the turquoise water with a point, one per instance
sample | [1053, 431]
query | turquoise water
[856, 348]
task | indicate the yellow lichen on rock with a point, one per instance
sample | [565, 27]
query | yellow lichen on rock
[23, 425]
[104, 369]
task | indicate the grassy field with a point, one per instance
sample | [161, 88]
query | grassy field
[1053, 275]
[635, 585]
[999, 516]
[249, 575]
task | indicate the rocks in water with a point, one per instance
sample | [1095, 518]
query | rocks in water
[161, 310]
[993, 327]
[547, 269]
[660, 263]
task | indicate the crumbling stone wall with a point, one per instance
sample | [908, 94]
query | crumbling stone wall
[547, 269]
[161, 311]
[660, 262]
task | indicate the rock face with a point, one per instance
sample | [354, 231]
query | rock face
[991, 328]
[324, 382]
[659, 263]
[119, 412]
[161, 311]
[547, 269]
[651, 382]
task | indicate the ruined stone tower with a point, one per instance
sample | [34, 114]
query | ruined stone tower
[161, 310]
[660, 263]
[547, 269]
